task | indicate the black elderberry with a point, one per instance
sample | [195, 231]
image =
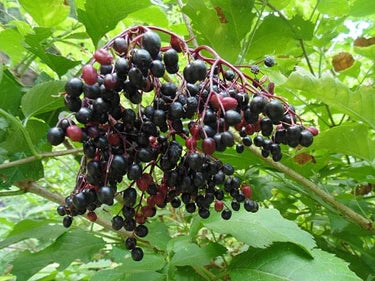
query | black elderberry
[235, 205]
[130, 243]
[137, 254]
[74, 87]
[117, 222]
[55, 136]
[239, 148]
[130, 196]
[226, 214]
[269, 61]
[141, 230]
[204, 213]
[67, 221]
[151, 42]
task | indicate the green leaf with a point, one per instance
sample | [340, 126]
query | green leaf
[152, 15]
[273, 36]
[32, 171]
[160, 237]
[46, 12]
[42, 98]
[368, 51]
[221, 25]
[120, 274]
[150, 261]
[186, 273]
[359, 104]
[77, 244]
[37, 45]
[334, 7]
[362, 8]
[10, 43]
[279, 4]
[191, 254]
[261, 229]
[302, 29]
[351, 139]
[111, 12]
[42, 230]
[10, 92]
[286, 262]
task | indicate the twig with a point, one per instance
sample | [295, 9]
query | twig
[12, 192]
[345, 211]
[188, 25]
[306, 56]
[41, 156]
[32, 187]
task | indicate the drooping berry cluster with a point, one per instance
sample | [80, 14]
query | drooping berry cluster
[192, 114]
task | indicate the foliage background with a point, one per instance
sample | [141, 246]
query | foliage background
[296, 235]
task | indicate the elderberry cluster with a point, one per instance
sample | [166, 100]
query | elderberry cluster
[165, 148]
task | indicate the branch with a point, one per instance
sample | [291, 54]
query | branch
[188, 25]
[345, 211]
[32, 187]
[41, 156]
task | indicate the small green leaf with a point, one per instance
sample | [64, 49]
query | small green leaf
[222, 24]
[191, 254]
[286, 262]
[351, 139]
[334, 7]
[36, 44]
[186, 273]
[111, 12]
[362, 8]
[120, 274]
[43, 98]
[160, 237]
[32, 171]
[152, 15]
[42, 230]
[261, 229]
[10, 92]
[77, 244]
[10, 43]
[359, 105]
[46, 12]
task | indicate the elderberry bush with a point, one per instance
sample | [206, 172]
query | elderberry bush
[194, 111]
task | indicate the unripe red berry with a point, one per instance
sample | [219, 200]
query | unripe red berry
[247, 191]
[219, 206]
[74, 133]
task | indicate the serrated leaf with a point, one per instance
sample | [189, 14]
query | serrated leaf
[273, 36]
[191, 254]
[10, 43]
[46, 12]
[302, 29]
[160, 237]
[286, 262]
[43, 98]
[330, 7]
[36, 44]
[359, 104]
[221, 24]
[111, 12]
[77, 244]
[42, 230]
[261, 229]
[350, 139]
[10, 93]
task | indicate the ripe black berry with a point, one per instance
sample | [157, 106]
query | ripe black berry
[137, 254]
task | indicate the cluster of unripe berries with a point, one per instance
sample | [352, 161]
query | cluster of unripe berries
[166, 148]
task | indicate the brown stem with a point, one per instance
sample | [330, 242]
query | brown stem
[345, 211]
[42, 155]
[32, 187]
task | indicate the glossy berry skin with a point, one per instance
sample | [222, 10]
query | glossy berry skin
[55, 136]
[67, 221]
[219, 206]
[61, 210]
[89, 74]
[105, 195]
[103, 57]
[74, 87]
[306, 138]
[120, 45]
[269, 61]
[275, 111]
[247, 191]
[141, 230]
[157, 68]
[251, 206]
[151, 42]
[226, 214]
[74, 133]
[130, 243]
[137, 254]
[92, 216]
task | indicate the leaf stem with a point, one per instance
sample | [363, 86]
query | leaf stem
[12, 193]
[302, 44]
[188, 25]
[40, 156]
